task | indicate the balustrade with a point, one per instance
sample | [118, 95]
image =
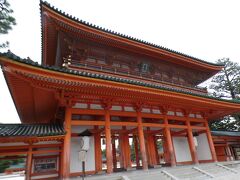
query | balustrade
[136, 75]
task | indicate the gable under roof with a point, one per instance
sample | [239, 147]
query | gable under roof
[96, 27]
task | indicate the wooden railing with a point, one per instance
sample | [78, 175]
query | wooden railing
[134, 75]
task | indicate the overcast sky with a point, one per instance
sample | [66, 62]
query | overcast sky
[206, 29]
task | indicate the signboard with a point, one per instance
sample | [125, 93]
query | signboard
[45, 165]
[82, 155]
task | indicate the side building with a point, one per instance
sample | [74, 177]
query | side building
[114, 101]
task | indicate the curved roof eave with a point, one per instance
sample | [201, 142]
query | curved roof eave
[190, 59]
[10, 56]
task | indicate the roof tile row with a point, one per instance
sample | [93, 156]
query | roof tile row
[39, 130]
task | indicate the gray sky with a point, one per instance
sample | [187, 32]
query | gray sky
[205, 29]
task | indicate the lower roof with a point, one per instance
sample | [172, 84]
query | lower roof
[225, 133]
[41, 130]
[63, 70]
[31, 130]
[41, 104]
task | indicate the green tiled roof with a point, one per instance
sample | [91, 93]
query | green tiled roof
[37, 130]
[225, 133]
[14, 57]
[119, 34]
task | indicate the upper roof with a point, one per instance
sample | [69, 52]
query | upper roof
[101, 33]
[36, 130]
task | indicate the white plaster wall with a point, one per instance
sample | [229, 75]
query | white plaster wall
[44, 176]
[181, 147]
[75, 164]
[203, 150]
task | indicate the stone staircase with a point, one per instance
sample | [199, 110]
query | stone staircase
[216, 171]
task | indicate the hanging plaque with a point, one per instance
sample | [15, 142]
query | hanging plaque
[45, 165]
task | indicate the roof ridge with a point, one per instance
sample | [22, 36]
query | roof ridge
[42, 2]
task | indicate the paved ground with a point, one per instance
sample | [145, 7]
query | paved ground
[216, 171]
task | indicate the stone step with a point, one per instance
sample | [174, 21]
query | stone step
[198, 178]
[190, 175]
[180, 172]
[102, 177]
[151, 177]
[146, 174]
[190, 170]
[214, 170]
[224, 174]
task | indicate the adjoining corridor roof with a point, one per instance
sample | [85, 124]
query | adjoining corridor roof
[225, 133]
[27, 130]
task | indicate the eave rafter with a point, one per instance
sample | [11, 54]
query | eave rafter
[74, 88]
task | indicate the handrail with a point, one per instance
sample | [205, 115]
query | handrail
[203, 172]
[169, 175]
[227, 168]
[135, 75]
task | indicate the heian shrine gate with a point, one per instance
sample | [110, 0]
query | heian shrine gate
[124, 91]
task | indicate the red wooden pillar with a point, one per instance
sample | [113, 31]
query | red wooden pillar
[210, 142]
[142, 140]
[109, 154]
[98, 151]
[67, 145]
[149, 149]
[60, 167]
[29, 164]
[114, 153]
[125, 151]
[153, 149]
[170, 150]
[191, 142]
[166, 155]
[231, 155]
[135, 141]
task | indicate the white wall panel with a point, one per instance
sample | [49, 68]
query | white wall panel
[181, 147]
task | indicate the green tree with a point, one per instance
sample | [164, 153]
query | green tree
[226, 123]
[226, 84]
[6, 20]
